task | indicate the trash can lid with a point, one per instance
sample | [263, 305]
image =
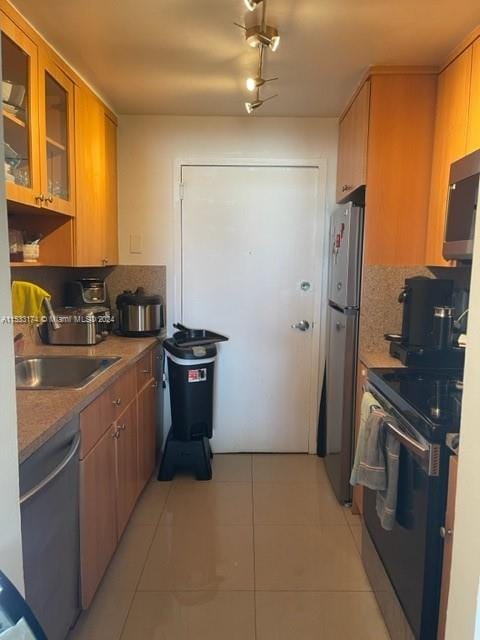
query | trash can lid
[199, 352]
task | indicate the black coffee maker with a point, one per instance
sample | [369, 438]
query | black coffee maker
[422, 341]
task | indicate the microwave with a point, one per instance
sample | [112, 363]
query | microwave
[463, 201]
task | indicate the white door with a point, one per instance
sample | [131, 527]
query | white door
[249, 241]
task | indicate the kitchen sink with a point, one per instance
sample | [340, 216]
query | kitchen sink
[59, 372]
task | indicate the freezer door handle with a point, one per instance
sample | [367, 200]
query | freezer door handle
[303, 325]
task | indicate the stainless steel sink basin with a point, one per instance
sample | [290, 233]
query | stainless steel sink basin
[59, 372]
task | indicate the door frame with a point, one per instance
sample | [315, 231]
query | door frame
[321, 230]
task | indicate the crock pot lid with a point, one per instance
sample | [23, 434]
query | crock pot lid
[128, 297]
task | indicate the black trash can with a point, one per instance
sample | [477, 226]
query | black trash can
[190, 375]
[190, 356]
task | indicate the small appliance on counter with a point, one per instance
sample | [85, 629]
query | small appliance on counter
[427, 338]
[139, 314]
[87, 292]
[77, 326]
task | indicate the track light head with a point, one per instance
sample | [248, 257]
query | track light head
[252, 4]
[256, 83]
[252, 106]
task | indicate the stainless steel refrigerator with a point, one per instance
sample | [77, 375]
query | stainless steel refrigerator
[345, 264]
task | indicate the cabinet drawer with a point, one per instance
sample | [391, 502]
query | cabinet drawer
[144, 370]
[99, 415]
[122, 392]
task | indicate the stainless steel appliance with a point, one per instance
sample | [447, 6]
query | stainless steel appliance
[86, 292]
[49, 503]
[426, 407]
[139, 314]
[346, 238]
[463, 200]
[78, 326]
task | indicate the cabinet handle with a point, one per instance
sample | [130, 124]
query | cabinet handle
[116, 434]
[445, 532]
[346, 187]
[145, 371]
[49, 198]
[155, 385]
[104, 261]
[117, 402]
[122, 427]
[40, 198]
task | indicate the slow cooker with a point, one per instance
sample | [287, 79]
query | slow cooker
[139, 314]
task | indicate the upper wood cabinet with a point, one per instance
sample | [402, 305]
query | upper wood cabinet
[57, 159]
[352, 149]
[473, 133]
[96, 178]
[60, 152]
[400, 140]
[385, 143]
[450, 144]
[20, 115]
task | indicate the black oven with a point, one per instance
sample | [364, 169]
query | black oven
[412, 552]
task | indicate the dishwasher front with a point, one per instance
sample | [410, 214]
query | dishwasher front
[49, 503]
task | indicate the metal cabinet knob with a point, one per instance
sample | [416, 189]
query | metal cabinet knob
[117, 402]
[155, 385]
[49, 198]
[122, 427]
[445, 532]
[303, 325]
[346, 187]
[116, 434]
[40, 198]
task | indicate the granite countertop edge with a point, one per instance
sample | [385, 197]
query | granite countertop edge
[41, 414]
[378, 358]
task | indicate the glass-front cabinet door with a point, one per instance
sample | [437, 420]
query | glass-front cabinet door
[56, 138]
[20, 118]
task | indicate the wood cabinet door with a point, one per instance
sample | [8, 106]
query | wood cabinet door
[110, 220]
[352, 152]
[147, 417]
[473, 134]
[98, 523]
[449, 145]
[56, 127]
[96, 175]
[448, 545]
[362, 371]
[20, 119]
[127, 465]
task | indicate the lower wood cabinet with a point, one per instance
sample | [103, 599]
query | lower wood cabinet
[117, 459]
[127, 466]
[98, 524]
[362, 371]
[146, 432]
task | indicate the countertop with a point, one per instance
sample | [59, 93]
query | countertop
[40, 414]
[379, 359]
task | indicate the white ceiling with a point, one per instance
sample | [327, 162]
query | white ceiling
[186, 57]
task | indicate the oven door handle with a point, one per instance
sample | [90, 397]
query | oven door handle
[408, 442]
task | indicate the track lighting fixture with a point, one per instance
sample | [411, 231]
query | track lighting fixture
[251, 106]
[252, 4]
[255, 83]
[263, 37]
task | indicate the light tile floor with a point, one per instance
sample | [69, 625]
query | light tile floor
[263, 552]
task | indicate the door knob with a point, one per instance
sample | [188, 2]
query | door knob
[303, 325]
